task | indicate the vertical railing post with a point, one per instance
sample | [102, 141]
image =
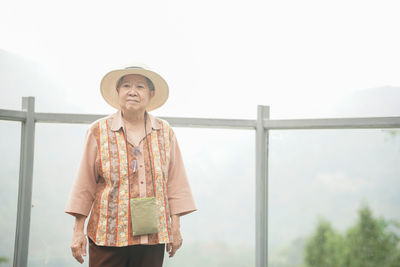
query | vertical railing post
[262, 188]
[25, 184]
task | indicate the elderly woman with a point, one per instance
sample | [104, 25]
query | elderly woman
[131, 178]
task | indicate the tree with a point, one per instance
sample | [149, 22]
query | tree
[324, 248]
[370, 242]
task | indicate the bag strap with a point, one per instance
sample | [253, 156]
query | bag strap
[148, 150]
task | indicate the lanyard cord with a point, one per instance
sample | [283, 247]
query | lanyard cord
[148, 150]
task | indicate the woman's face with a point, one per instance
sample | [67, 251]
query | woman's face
[134, 93]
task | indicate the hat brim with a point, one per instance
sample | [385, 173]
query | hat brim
[108, 87]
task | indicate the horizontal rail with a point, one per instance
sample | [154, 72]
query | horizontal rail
[178, 122]
[12, 115]
[296, 124]
[211, 123]
[67, 118]
[334, 123]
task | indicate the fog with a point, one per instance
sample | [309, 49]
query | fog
[307, 59]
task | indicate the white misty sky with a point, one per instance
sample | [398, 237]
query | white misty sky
[220, 58]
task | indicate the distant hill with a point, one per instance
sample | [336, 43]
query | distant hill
[21, 77]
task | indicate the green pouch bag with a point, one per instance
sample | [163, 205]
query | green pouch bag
[144, 216]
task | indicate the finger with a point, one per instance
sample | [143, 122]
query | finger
[83, 247]
[77, 256]
[175, 247]
[76, 252]
[79, 259]
[172, 252]
[170, 248]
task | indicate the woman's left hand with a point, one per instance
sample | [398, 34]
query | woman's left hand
[176, 236]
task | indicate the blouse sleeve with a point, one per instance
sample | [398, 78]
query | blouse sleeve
[180, 196]
[84, 188]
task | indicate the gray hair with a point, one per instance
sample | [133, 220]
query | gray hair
[149, 83]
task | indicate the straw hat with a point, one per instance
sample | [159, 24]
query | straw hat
[108, 86]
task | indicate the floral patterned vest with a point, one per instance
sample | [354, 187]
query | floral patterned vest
[110, 218]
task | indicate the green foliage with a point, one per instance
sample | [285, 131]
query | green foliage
[324, 248]
[372, 242]
[3, 260]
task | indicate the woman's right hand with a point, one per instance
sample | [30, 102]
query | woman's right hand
[78, 246]
[79, 240]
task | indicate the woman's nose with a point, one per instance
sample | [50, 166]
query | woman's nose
[132, 92]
